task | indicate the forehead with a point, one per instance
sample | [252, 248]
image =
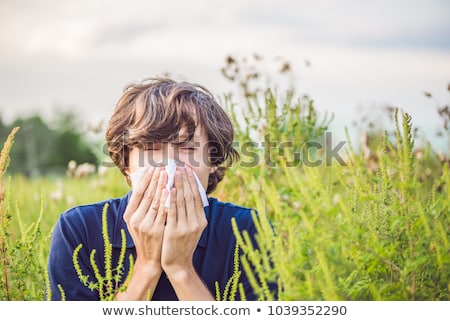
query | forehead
[199, 134]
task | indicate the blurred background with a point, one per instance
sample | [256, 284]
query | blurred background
[64, 64]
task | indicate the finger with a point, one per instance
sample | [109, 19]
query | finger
[154, 219]
[161, 216]
[146, 201]
[191, 196]
[172, 210]
[138, 193]
[151, 189]
[149, 217]
[180, 198]
[194, 188]
[154, 207]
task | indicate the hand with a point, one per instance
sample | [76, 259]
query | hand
[145, 216]
[185, 223]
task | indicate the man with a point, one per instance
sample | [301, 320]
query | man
[181, 246]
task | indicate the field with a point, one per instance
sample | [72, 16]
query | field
[359, 223]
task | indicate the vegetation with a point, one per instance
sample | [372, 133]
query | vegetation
[356, 223]
[45, 147]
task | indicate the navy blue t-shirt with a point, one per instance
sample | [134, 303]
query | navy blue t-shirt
[213, 258]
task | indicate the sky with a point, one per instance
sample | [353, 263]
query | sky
[363, 55]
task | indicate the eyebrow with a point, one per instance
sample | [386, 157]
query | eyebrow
[185, 136]
[179, 140]
[183, 142]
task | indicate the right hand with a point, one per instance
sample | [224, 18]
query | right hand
[145, 217]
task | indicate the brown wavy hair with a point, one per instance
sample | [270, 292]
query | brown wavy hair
[156, 109]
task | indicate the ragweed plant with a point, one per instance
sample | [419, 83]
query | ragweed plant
[23, 270]
[108, 284]
[353, 232]
[257, 262]
[5, 215]
[233, 284]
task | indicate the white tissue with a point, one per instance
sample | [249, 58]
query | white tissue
[171, 168]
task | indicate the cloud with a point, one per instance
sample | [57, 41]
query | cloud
[82, 52]
[394, 24]
[124, 33]
[89, 28]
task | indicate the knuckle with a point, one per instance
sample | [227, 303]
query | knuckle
[138, 192]
[185, 231]
[196, 227]
[203, 224]
[188, 197]
[161, 211]
[191, 179]
[161, 179]
[148, 193]
[134, 224]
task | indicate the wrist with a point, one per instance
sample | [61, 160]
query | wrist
[187, 283]
[147, 268]
[179, 273]
[144, 278]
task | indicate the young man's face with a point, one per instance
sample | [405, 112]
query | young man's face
[193, 154]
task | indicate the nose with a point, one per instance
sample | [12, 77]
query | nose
[173, 153]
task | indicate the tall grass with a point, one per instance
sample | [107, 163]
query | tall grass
[23, 275]
[353, 231]
[28, 212]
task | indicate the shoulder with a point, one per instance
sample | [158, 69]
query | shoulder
[90, 211]
[224, 212]
[86, 219]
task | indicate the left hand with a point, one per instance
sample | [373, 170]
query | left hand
[185, 223]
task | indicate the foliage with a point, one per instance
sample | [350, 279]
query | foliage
[23, 275]
[45, 148]
[374, 227]
[372, 224]
[107, 285]
[352, 233]
[233, 284]
[24, 229]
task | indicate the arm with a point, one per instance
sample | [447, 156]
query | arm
[185, 223]
[142, 284]
[188, 285]
[145, 217]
